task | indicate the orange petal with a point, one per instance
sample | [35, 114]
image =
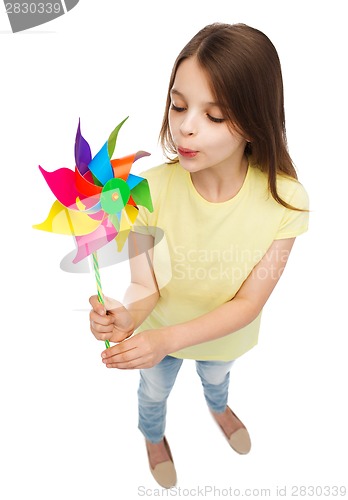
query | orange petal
[122, 166]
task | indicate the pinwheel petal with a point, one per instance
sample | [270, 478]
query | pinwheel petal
[84, 186]
[61, 220]
[83, 154]
[128, 217]
[100, 166]
[121, 239]
[89, 205]
[62, 184]
[141, 195]
[122, 166]
[114, 219]
[89, 243]
[141, 154]
[134, 180]
[125, 227]
[113, 137]
[132, 213]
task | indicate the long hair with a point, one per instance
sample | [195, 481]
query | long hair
[245, 75]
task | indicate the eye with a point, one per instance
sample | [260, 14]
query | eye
[215, 120]
[177, 108]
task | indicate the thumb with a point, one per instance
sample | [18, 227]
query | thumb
[97, 306]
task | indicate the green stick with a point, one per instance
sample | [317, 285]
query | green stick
[99, 288]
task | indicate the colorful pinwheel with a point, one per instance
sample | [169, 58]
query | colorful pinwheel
[98, 201]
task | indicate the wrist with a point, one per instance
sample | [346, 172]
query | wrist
[172, 338]
[132, 324]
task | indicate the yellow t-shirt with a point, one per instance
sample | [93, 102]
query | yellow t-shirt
[204, 251]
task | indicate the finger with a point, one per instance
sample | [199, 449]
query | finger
[97, 305]
[124, 360]
[101, 332]
[121, 348]
[138, 363]
[97, 319]
[124, 364]
[117, 353]
[100, 335]
[119, 356]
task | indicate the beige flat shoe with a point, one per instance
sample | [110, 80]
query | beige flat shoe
[164, 473]
[239, 440]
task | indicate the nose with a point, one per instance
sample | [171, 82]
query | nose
[188, 125]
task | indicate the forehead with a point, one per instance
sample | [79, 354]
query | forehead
[191, 79]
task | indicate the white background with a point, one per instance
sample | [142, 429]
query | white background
[68, 425]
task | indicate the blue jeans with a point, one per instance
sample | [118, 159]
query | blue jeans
[157, 382]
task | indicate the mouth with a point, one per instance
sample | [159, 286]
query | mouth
[187, 153]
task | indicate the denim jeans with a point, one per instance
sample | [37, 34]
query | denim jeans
[157, 382]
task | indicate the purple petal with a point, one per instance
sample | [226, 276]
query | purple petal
[83, 153]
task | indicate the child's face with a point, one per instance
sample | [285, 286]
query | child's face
[199, 130]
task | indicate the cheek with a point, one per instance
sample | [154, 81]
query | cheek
[231, 140]
[219, 141]
[171, 122]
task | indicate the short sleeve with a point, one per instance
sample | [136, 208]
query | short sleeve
[295, 222]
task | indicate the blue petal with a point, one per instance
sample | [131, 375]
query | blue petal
[133, 180]
[100, 165]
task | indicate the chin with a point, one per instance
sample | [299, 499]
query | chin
[190, 167]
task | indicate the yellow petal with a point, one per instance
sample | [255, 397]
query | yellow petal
[61, 220]
[131, 212]
[79, 204]
[121, 239]
[125, 227]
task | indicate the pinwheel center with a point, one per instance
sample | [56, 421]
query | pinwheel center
[114, 196]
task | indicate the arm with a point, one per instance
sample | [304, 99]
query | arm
[149, 347]
[142, 294]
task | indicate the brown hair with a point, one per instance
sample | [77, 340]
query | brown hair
[244, 69]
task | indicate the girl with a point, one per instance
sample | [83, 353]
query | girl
[227, 209]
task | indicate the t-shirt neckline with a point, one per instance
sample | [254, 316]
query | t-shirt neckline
[231, 201]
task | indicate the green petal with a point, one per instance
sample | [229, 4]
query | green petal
[113, 137]
[141, 195]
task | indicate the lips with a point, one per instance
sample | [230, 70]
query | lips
[187, 153]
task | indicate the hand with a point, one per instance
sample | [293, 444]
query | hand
[111, 321]
[143, 350]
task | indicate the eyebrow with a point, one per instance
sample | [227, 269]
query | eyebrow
[176, 92]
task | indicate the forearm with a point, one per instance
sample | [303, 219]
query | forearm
[140, 301]
[223, 320]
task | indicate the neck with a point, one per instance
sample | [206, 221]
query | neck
[220, 184]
